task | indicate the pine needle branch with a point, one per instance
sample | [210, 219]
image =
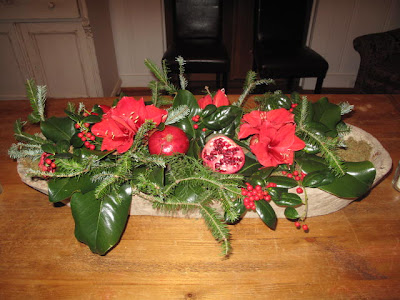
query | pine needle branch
[161, 75]
[249, 85]
[37, 99]
[182, 79]
[177, 114]
[26, 137]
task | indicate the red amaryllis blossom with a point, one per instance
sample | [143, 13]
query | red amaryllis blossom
[275, 146]
[253, 121]
[274, 140]
[119, 125]
[220, 99]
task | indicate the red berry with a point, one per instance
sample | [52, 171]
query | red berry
[85, 114]
[80, 135]
[249, 187]
[195, 126]
[204, 129]
[290, 175]
[77, 125]
[299, 190]
[297, 224]
[194, 119]
[53, 165]
[83, 139]
[258, 187]
[89, 134]
[244, 192]
[295, 173]
[267, 197]
[297, 178]
[291, 110]
[86, 125]
[284, 172]
[305, 227]
[87, 144]
[92, 138]
[48, 161]
[92, 147]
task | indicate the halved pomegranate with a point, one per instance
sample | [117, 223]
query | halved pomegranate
[169, 141]
[223, 155]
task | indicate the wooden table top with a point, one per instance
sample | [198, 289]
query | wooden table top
[351, 254]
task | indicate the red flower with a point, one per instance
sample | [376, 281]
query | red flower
[220, 99]
[119, 125]
[274, 140]
[255, 119]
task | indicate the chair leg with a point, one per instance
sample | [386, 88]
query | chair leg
[218, 80]
[318, 85]
[225, 81]
[290, 85]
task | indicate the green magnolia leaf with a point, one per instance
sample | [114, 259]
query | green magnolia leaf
[222, 117]
[184, 97]
[189, 193]
[266, 213]
[288, 199]
[99, 223]
[58, 129]
[318, 178]
[327, 113]
[283, 181]
[63, 188]
[291, 213]
[62, 146]
[355, 183]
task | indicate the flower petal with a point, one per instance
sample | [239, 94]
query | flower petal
[203, 102]
[220, 99]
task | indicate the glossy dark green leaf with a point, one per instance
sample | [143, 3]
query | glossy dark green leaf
[73, 116]
[327, 113]
[100, 223]
[92, 119]
[283, 181]
[266, 213]
[311, 149]
[318, 178]
[276, 193]
[222, 117]
[63, 188]
[184, 97]
[289, 199]
[251, 166]
[291, 213]
[157, 176]
[188, 193]
[97, 110]
[85, 153]
[357, 181]
[208, 110]
[62, 146]
[49, 148]
[76, 141]
[58, 129]
[194, 148]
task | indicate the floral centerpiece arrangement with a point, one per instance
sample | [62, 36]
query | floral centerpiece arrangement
[184, 154]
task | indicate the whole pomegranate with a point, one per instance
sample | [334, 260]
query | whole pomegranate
[223, 155]
[169, 141]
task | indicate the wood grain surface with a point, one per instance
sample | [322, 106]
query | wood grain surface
[350, 254]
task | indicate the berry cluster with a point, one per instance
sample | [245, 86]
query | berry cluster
[298, 226]
[297, 176]
[293, 107]
[46, 164]
[196, 119]
[85, 135]
[255, 194]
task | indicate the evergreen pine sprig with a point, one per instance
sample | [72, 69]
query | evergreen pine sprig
[177, 114]
[161, 75]
[37, 98]
[182, 80]
[250, 84]
[22, 150]
[21, 136]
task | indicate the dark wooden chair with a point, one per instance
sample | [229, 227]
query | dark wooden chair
[197, 37]
[280, 50]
